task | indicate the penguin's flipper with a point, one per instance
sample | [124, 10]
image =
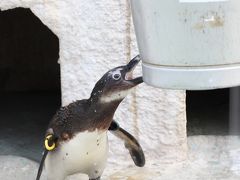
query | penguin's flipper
[39, 173]
[130, 143]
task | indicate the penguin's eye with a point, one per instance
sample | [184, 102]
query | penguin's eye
[116, 76]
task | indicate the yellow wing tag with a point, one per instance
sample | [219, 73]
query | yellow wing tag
[49, 146]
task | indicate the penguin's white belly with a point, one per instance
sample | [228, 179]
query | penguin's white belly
[85, 153]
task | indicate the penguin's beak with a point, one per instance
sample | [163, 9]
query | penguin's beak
[128, 69]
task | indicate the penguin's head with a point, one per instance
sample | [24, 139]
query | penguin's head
[116, 83]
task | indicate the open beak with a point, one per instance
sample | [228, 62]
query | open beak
[129, 69]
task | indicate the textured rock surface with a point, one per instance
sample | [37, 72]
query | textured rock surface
[98, 35]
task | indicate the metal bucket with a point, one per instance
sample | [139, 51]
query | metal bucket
[189, 44]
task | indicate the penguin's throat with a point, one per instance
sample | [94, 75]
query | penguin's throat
[101, 109]
[109, 97]
[102, 114]
[114, 96]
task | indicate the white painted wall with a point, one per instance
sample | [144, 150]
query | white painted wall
[98, 35]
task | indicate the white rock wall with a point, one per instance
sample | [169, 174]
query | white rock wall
[98, 35]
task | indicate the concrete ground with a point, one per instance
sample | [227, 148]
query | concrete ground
[210, 158]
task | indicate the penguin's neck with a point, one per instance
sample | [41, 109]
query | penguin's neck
[102, 112]
[100, 107]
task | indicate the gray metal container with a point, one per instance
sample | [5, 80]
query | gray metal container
[189, 44]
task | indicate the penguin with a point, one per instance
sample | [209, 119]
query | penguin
[76, 139]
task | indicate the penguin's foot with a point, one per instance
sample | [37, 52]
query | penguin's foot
[96, 178]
